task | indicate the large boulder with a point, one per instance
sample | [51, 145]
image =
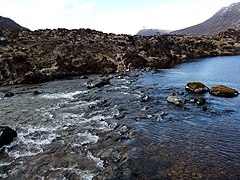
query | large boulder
[223, 91]
[196, 87]
[134, 61]
[7, 135]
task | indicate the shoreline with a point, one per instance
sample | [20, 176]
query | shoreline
[32, 57]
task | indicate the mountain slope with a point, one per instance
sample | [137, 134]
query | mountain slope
[7, 23]
[152, 32]
[226, 18]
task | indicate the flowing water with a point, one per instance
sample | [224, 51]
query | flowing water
[70, 132]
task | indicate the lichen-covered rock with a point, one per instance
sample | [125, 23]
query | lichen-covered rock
[196, 87]
[175, 100]
[223, 91]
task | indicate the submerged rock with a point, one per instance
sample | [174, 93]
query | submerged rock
[223, 91]
[201, 101]
[192, 100]
[36, 93]
[7, 135]
[196, 87]
[144, 98]
[97, 82]
[175, 100]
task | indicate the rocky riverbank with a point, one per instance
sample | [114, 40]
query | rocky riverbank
[43, 55]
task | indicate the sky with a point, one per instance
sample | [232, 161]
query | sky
[111, 16]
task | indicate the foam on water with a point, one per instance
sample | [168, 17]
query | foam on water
[68, 119]
[5, 164]
[121, 87]
[98, 161]
[98, 117]
[26, 153]
[69, 95]
[30, 141]
[85, 138]
[3, 175]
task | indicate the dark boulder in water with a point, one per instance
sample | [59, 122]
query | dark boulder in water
[98, 82]
[144, 98]
[9, 94]
[223, 91]
[201, 101]
[196, 87]
[7, 135]
[36, 93]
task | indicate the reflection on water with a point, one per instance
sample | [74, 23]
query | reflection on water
[212, 71]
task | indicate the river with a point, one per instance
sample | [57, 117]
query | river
[71, 132]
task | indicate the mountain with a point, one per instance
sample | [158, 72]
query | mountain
[152, 32]
[7, 23]
[226, 18]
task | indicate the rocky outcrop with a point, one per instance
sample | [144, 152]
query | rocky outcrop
[223, 91]
[43, 55]
[7, 135]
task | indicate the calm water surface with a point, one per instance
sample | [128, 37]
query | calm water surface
[57, 127]
[191, 142]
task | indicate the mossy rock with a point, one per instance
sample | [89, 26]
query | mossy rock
[223, 91]
[196, 87]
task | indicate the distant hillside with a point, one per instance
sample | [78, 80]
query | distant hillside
[7, 23]
[152, 32]
[226, 18]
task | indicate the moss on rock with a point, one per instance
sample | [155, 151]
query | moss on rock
[223, 91]
[196, 87]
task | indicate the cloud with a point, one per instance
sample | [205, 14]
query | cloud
[110, 16]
